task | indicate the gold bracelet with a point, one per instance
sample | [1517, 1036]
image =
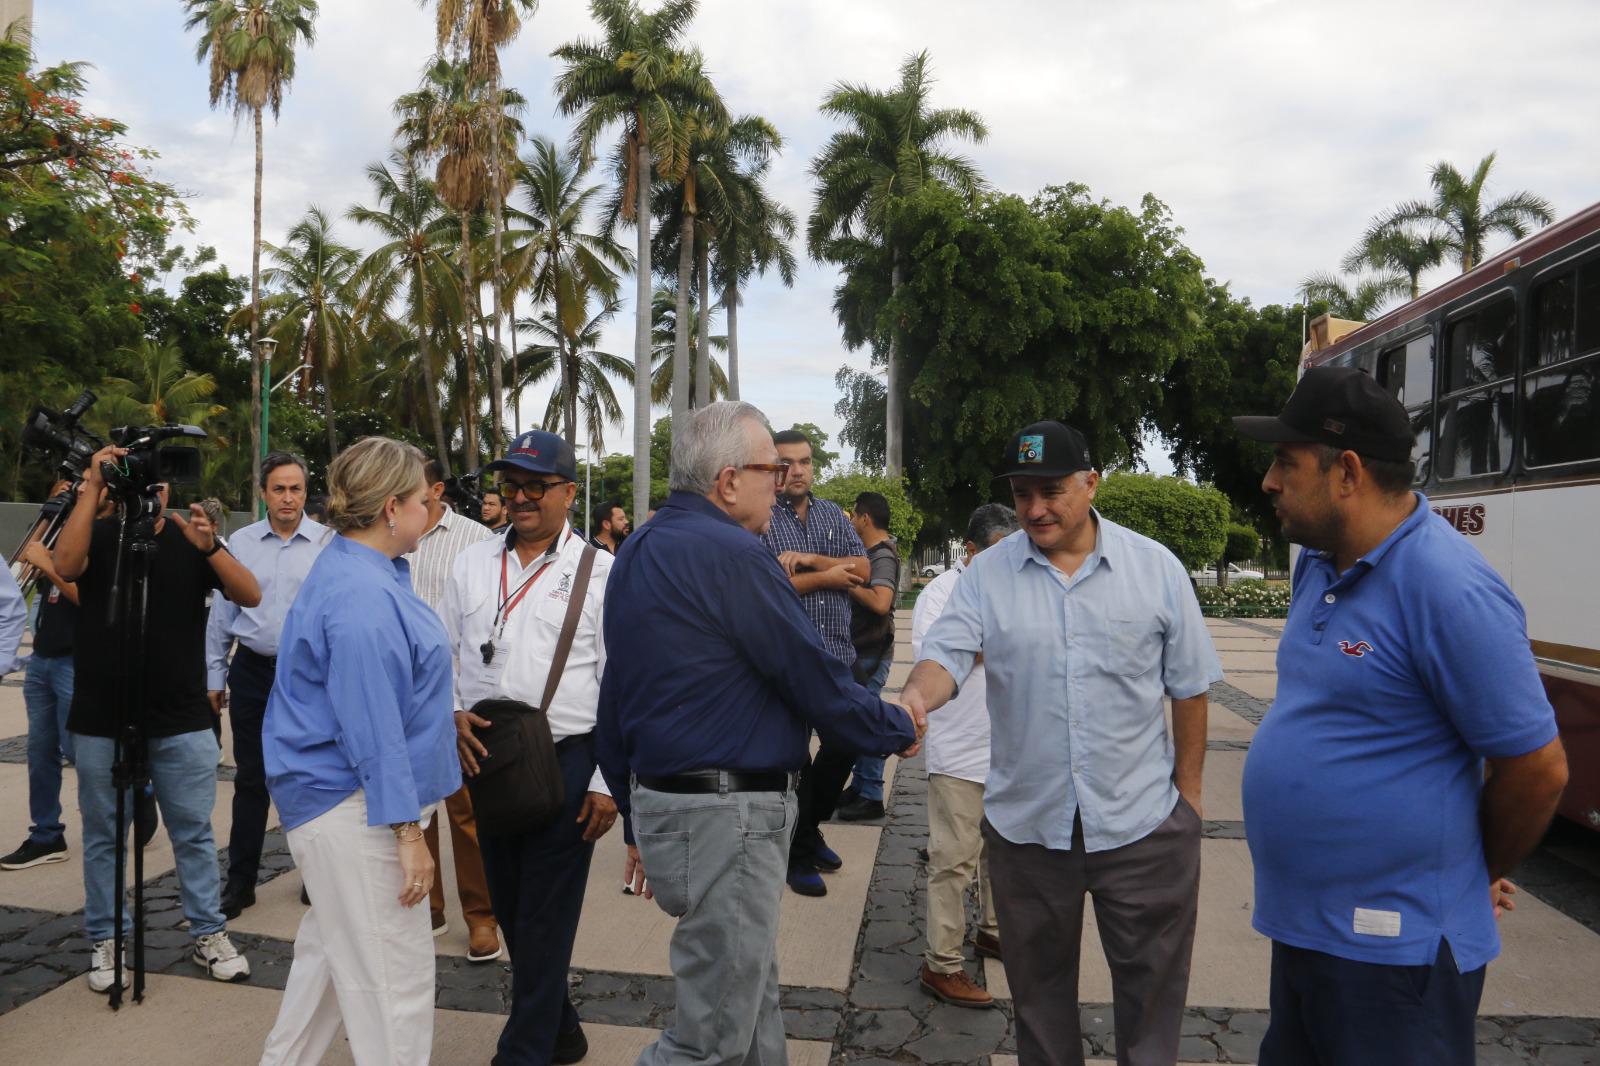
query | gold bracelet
[401, 835]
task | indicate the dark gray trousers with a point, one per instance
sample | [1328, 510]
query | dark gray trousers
[1146, 896]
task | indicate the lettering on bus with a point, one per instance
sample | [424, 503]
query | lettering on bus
[1467, 518]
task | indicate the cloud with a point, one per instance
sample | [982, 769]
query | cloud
[1273, 130]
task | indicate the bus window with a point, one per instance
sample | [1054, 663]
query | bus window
[1422, 426]
[1562, 424]
[1482, 347]
[1552, 321]
[1475, 433]
[1587, 331]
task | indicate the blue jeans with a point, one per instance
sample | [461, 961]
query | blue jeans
[867, 779]
[184, 771]
[47, 690]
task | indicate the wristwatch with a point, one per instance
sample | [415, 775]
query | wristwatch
[217, 544]
[401, 827]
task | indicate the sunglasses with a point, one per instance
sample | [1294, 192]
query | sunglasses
[533, 490]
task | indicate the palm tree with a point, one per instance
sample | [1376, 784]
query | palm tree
[891, 147]
[636, 76]
[313, 307]
[1390, 247]
[160, 389]
[1359, 300]
[663, 380]
[566, 347]
[447, 118]
[1465, 222]
[413, 261]
[555, 259]
[480, 28]
[752, 240]
[250, 46]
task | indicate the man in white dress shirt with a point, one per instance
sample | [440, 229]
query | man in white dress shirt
[958, 765]
[504, 609]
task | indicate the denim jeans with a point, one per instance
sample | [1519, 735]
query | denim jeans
[867, 778]
[183, 770]
[47, 690]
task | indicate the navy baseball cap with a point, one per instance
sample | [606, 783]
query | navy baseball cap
[539, 452]
[1341, 406]
[1046, 449]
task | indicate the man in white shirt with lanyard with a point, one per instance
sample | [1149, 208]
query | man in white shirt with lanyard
[505, 609]
[958, 766]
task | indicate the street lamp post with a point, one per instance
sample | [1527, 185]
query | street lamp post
[267, 346]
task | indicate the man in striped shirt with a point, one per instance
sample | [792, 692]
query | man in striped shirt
[447, 536]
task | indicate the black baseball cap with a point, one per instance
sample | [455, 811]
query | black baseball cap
[539, 452]
[1046, 449]
[1340, 406]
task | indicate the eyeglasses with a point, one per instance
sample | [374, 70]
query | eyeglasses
[533, 490]
[779, 471]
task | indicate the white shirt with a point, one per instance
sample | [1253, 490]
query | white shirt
[958, 733]
[436, 554]
[526, 643]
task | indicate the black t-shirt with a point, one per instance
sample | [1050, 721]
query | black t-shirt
[57, 622]
[871, 632]
[175, 645]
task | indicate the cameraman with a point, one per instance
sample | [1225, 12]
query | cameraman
[175, 719]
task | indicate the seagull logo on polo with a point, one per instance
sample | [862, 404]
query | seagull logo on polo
[1358, 649]
[1030, 449]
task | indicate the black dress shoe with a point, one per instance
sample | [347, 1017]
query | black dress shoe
[859, 809]
[235, 900]
[570, 1047]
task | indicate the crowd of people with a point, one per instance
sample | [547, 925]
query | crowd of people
[396, 663]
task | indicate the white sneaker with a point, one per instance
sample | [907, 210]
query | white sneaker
[216, 955]
[103, 969]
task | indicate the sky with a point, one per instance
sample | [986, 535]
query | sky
[1274, 130]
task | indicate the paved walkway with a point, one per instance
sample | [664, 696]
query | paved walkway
[849, 961]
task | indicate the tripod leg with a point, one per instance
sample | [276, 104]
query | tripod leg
[141, 775]
[121, 862]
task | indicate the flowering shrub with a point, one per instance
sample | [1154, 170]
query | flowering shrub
[1244, 599]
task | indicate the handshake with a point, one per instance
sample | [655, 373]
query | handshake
[919, 720]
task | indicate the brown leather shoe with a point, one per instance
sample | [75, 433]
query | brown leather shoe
[957, 989]
[483, 944]
[988, 945]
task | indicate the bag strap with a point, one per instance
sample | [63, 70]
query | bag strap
[569, 626]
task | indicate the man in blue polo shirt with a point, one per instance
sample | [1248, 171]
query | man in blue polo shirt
[1378, 846]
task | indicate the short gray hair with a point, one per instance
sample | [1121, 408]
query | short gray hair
[990, 521]
[713, 440]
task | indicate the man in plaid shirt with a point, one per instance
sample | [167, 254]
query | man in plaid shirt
[818, 548]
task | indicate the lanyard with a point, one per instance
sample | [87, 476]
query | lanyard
[507, 604]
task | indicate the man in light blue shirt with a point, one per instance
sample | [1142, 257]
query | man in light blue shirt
[279, 551]
[1084, 628]
[13, 613]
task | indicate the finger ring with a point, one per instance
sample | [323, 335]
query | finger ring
[416, 884]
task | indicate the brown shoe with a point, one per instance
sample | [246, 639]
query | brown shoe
[483, 944]
[957, 989]
[988, 945]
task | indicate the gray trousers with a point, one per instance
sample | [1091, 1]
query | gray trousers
[717, 864]
[1146, 897]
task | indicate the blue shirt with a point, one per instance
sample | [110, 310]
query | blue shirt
[13, 614]
[362, 698]
[711, 664]
[826, 531]
[1395, 680]
[280, 567]
[1076, 669]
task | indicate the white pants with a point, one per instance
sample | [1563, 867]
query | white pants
[359, 956]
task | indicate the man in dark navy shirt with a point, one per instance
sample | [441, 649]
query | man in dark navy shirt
[715, 678]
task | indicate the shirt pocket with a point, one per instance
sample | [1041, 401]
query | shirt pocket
[1133, 646]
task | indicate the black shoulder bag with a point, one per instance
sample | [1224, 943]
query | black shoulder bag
[518, 787]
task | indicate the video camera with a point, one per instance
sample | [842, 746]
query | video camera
[58, 431]
[147, 465]
[466, 494]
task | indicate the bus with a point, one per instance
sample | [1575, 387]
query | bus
[1499, 369]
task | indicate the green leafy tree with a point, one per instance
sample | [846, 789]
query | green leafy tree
[752, 240]
[1392, 248]
[1358, 299]
[663, 383]
[635, 76]
[1190, 520]
[844, 485]
[1461, 217]
[892, 147]
[566, 347]
[1012, 311]
[250, 48]
[1241, 360]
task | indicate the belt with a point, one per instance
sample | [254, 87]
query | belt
[270, 660]
[719, 781]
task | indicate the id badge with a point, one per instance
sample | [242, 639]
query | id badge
[489, 673]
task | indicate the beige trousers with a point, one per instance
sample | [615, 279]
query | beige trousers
[956, 853]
